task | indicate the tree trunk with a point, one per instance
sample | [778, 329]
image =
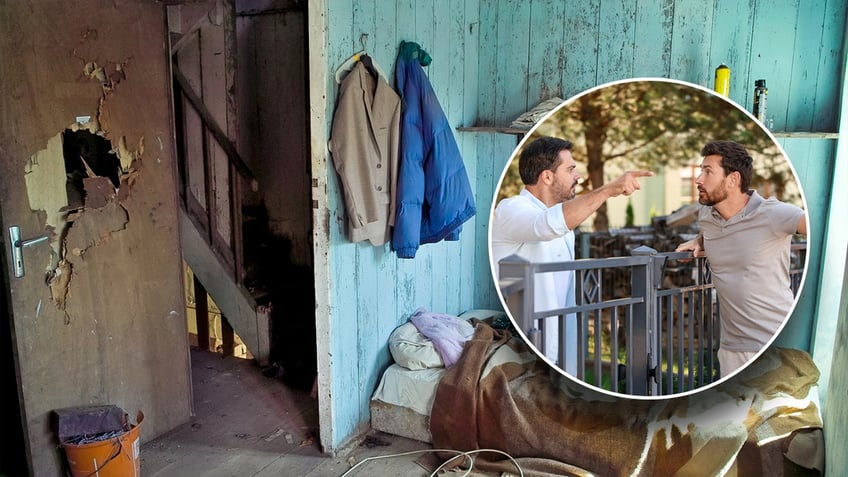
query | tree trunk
[596, 119]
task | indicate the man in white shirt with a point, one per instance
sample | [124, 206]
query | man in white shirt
[538, 225]
[747, 239]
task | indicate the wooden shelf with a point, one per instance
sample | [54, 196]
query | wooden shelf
[780, 134]
[502, 130]
[806, 135]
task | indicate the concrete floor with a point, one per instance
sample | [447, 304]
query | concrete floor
[246, 424]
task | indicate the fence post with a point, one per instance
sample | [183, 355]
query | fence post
[643, 349]
[515, 276]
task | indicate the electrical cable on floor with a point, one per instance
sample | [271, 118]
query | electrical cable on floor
[467, 455]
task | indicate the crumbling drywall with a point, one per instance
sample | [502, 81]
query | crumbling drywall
[77, 227]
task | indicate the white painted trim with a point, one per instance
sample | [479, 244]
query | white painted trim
[318, 80]
[834, 253]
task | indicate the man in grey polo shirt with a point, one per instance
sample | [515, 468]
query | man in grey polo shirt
[747, 240]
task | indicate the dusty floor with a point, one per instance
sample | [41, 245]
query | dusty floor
[246, 424]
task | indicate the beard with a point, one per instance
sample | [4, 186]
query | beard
[712, 198]
[564, 192]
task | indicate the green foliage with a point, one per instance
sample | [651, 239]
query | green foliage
[628, 214]
[653, 124]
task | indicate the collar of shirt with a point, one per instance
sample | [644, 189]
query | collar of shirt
[753, 204]
[538, 203]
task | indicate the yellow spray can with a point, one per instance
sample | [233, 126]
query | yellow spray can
[722, 80]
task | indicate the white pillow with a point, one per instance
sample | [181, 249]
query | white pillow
[412, 350]
[482, 314]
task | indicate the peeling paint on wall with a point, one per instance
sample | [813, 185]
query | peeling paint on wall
[77, 226]
[93, 227]
[45, 178]
[80, 181]
[59, 284]
[127, 156]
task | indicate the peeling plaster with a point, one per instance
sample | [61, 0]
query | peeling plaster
[128, 156]
[94, 227]
[75, 232]
[59, 284]
[45, 178]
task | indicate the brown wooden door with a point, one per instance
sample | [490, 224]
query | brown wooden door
[86, 158]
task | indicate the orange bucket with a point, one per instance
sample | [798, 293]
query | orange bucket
[115, 457]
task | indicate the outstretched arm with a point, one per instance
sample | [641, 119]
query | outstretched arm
[580, 208]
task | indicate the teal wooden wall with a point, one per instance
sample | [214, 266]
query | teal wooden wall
[533, 50]
[371, 290]
[494, 59]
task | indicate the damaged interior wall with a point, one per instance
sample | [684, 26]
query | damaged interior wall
[99, 316]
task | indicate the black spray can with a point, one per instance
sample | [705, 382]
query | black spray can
[760, 100]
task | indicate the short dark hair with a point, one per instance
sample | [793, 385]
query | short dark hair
[540, 155]
[734, 158]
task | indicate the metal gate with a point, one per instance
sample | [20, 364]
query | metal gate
[658, 337]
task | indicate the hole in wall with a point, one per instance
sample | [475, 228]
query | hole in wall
[87, 154]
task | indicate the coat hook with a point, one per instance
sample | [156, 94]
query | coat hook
[363, 40]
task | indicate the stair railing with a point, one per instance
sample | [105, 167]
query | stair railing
[203, 211]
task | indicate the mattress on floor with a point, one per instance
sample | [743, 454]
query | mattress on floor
[403, 400]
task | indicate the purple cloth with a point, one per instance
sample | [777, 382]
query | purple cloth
[447, 332]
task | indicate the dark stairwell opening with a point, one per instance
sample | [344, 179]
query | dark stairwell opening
[273, 277]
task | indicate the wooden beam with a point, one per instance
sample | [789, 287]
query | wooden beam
[201, 310]
[213, 127]
[182, 38]
[228, 337]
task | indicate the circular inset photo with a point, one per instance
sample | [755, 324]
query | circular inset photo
[648, 238]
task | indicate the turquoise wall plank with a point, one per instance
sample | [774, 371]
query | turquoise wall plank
[483, 179]
[652, 38]
[488, 87]
[731, 44]
[544, 80]
[470, 29]
[511, 57]
[830, 67]
[813, 163]
[341, 334]
[405, 22]
[807, 48]
[690, 43]
[580, 47]
[384, 43]
[470, 72]
[367, 314]
[616, 40]
[771, 56]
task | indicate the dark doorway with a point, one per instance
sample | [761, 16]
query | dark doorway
[13, 457]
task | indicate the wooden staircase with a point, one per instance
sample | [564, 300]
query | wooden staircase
[262, 283]
[216, 186]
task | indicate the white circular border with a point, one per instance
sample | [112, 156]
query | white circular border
[540, 354]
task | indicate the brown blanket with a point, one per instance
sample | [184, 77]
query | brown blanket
[500, 396]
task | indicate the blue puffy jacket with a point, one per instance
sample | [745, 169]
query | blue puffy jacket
[434, 195]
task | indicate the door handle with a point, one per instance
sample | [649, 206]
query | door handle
[17, 245]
